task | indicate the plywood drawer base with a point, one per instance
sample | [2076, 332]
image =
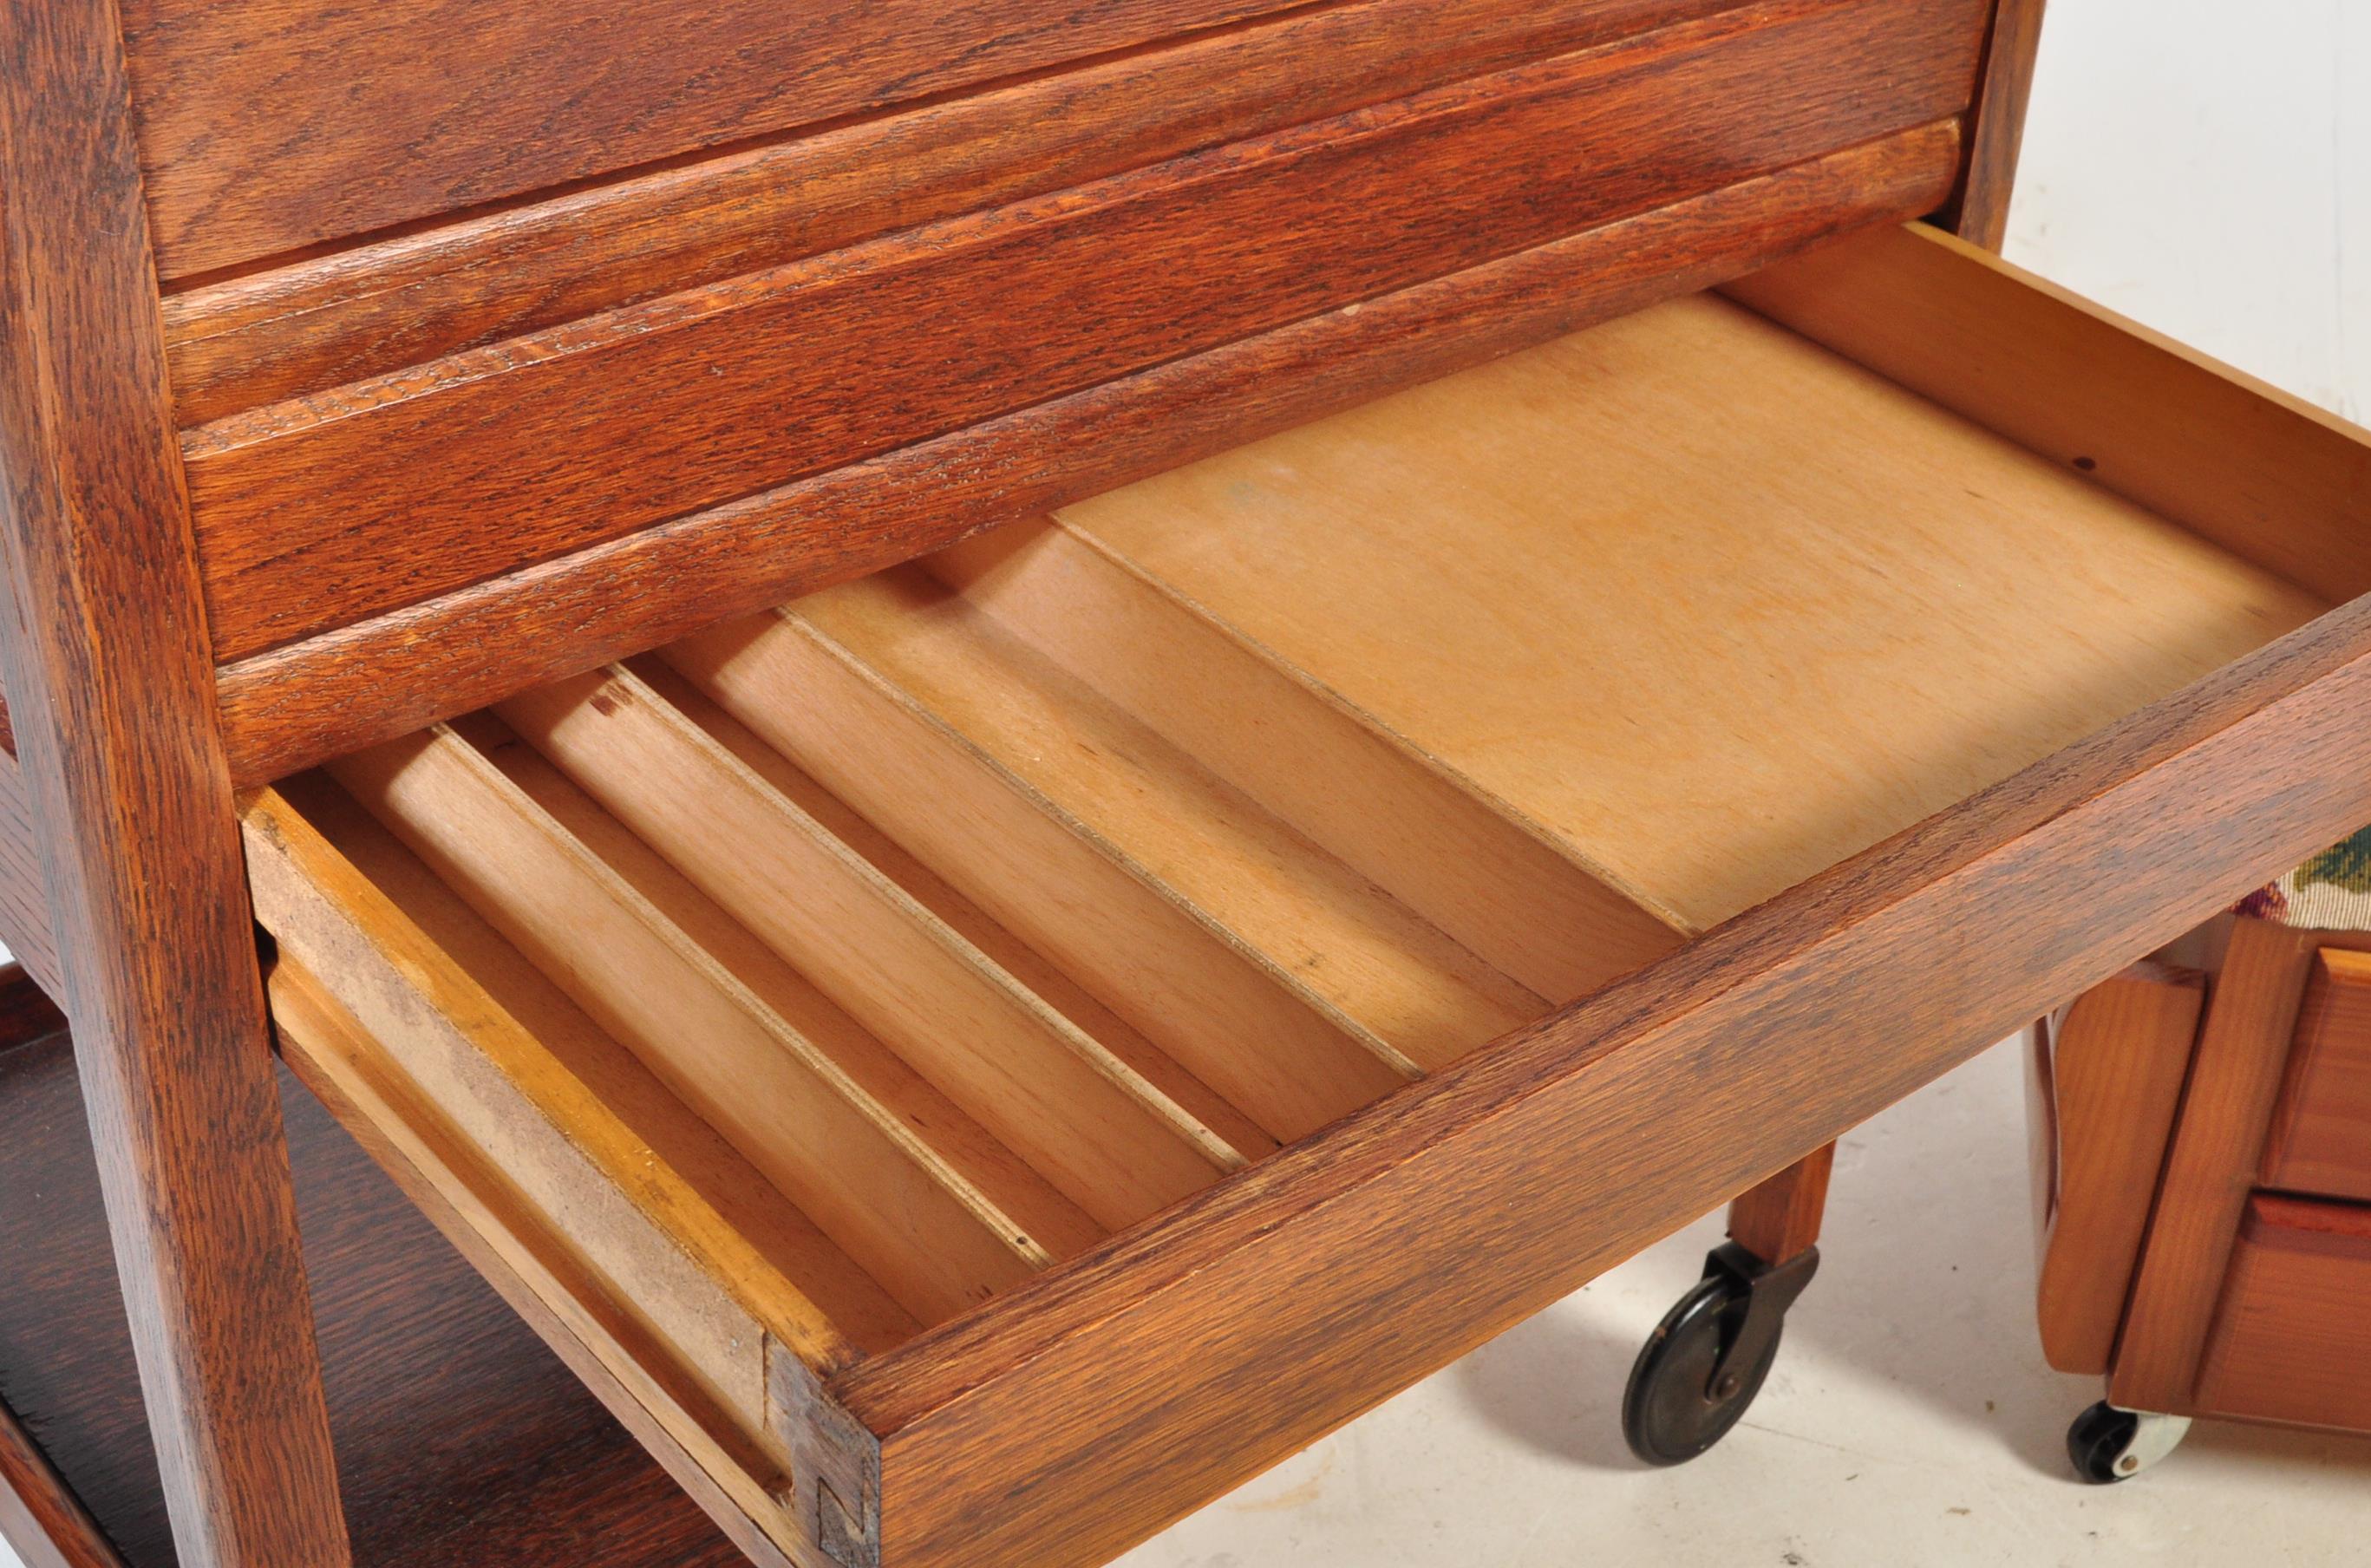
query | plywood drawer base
[994, 1052]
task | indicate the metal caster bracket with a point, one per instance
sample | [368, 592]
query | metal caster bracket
[2109, 1444]
[1708, 1358]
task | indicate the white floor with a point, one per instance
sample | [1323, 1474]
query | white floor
[1910, 1420]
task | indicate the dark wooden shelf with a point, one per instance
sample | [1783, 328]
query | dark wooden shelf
[462, 1438]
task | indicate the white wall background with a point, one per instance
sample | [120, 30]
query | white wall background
[2204, 165]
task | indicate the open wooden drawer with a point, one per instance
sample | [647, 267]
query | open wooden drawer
[995, 1052]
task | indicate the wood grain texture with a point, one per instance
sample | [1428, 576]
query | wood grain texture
[769, 1073]
[2293, 1342]
[1385, 1247]
[2235, 1078]
[472, 1204]
[658, 1236]
[2116, 1064]
[1978, 212]
[1780, 1217]
[2265, 474]
[1240, 1019]
[502, 457]
[261, 337]
[1381, 1249]
[103, 647]
[1045, 1088]
[267, 126]
[968, 920]
[1505, 894]
[500, 1457]
[387, 676]
[1413, 998]
[41, 1518]
[1504, 573]
[24, 899]
[2321, 1142]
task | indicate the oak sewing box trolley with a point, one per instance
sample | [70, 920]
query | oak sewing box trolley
[1552, 646]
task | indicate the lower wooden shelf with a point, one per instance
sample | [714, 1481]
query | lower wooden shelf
[462, 1438]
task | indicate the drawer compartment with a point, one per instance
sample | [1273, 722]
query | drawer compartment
[990, 1054]
[2321, 1141]
[2292, 1340]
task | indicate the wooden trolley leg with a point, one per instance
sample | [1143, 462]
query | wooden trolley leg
[1780, 1218]
[109, 673]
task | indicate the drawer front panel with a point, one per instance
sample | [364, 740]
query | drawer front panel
[2293, 1337]
[2321, 1141]
[375, 679]
[260, 337]
[267, 126]
[359, 501]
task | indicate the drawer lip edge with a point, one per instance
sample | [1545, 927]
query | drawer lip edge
[2285, 687]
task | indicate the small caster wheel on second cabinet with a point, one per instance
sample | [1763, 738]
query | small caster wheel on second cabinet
[1705, 1362]
[2111, 1444]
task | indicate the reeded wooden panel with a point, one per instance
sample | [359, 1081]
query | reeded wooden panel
[267, 125]
[264, 336]
[358, 500]
[385, 676]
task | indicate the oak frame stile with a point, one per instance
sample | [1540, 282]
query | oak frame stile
[106, 658]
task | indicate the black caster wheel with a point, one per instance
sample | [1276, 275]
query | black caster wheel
[2108, 1444]
[1708, 1358]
